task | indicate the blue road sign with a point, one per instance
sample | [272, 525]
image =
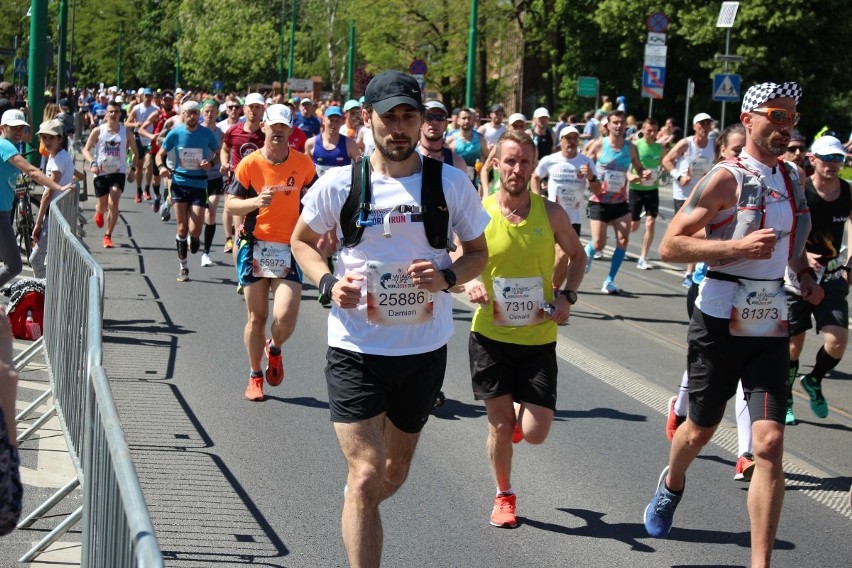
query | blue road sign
[218, 86]
[20, 66]
[726, 88]
[653, 77]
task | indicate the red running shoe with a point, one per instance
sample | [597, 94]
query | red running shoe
[517, 435]
[503, 513]
[99, 219]
[744, 468]
[254, 391]
[275, 368]
[673, 420]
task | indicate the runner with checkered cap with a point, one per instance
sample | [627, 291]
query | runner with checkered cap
[764, 92]
[739, 326]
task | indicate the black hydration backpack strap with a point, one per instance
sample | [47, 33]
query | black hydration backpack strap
[436, 217]
[360, 195]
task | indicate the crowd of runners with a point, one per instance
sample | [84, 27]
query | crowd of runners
[390, 203]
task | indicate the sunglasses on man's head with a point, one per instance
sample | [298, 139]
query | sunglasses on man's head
[779, 115]
[830, 158]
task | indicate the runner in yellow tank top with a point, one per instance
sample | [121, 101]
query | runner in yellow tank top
[512, 343]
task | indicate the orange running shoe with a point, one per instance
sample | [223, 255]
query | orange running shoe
[503, 513]
[99, 219]
[275, 368]
[107, 242]
[744, 467]
[254, 391]
[673, 420]
[517, 435]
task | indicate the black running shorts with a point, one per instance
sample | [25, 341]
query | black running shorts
[607, 212]
[527, 372]
[362, 386]
[107, 181]
[833, 310]
[716, 360]
[648, 199]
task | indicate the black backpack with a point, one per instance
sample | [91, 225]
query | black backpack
[355, 214]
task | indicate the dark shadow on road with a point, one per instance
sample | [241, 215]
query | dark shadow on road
[826, 425]
[306, 401]
[456, 410]
[631, 533]
[611, 413]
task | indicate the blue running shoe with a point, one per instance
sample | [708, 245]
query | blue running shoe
[659, 514]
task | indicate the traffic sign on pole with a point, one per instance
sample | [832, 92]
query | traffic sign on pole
[21, 66]
[418, 67]
[587, 87]
[652, 82]
[726, 87]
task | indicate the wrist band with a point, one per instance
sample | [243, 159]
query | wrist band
[326, 283]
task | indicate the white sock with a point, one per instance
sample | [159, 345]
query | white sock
[509, 491]
[681, 405]
[743, 421]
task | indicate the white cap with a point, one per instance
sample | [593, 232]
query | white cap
[566, 130]
[513, 118]
[189, 106]
[431, 105]
[14, 117]
[701, 116]
[824, 145]
[119, 99]
[306, 101]
[278, 114]
[255, 99]
[541, 111]
[178, 91]
[140, 91]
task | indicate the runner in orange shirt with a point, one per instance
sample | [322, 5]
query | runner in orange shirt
[267, 190]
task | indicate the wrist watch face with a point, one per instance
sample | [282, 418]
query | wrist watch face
[571, 295]
[450, 276]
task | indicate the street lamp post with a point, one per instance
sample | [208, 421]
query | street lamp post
[471, 54]
[727, 15]
[292, 43]
[120, 41]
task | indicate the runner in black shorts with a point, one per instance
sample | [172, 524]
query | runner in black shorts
[649, 200]
[363, 386]
[215, 182]
[830, 202]
[607, 212]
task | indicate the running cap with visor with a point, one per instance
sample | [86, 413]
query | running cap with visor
[51, 128]
[827, 146]
[566, 130]
[700, 117]
[14, 117]
[391, 88]
[541, 111]
[759, 94]
[278, 114]
[255, 99]
[513, 118]
[350, 104]
[435, 105]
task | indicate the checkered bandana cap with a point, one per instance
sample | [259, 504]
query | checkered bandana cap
[759, 94]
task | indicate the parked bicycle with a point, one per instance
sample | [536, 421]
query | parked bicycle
[22, 213]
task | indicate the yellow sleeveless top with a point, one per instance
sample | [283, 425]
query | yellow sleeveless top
[520, 261]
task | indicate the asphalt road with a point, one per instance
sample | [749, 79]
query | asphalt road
[231, 482]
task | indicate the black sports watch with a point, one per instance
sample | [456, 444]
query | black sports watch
[570, 295]
[450, 277]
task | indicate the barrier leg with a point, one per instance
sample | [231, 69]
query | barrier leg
[53, 536]
[33, 405]
[49, 504]
[27, 355]
[37, 424]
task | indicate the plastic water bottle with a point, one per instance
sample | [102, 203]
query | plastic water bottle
[33, 328]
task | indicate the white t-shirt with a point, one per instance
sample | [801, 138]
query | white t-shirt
[351, 329]
[565, 186]
[62, 163]
[697, 161]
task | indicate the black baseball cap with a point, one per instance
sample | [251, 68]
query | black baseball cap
[391, 88]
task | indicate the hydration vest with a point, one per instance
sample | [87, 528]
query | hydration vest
[750, 211]
[355, 214]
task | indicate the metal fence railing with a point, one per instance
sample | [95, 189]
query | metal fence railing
[117, 529]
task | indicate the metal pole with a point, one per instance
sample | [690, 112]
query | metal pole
[61, 66]
[292, 43]
[120, 40]
[727, 52]
[650, 107]
[177, 61]
[471, 54]
[35, 83]
[350, 72]
[71, 47]
[686, 112]
[281, 47]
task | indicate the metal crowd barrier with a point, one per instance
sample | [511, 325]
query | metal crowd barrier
[116, 529]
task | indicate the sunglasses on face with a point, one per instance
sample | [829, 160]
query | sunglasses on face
[830, 158]
[232, 107]
[779, 115]
[435, 117]
[794, 149]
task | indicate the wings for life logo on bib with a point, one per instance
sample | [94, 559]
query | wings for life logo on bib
[759, 310]
[518, 301]
[392, 297]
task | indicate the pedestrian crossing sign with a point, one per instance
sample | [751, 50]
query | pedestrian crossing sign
[726, 88]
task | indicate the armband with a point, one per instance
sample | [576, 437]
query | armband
[326, 283]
